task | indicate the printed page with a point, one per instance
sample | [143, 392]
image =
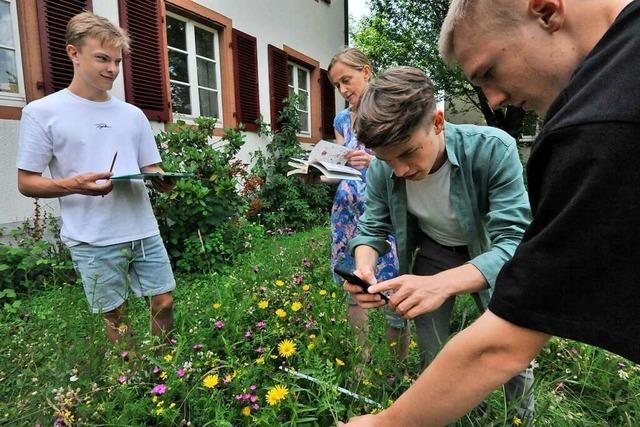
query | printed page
[325, 151]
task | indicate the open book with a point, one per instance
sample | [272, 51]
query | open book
[326, 159]
[149, 175]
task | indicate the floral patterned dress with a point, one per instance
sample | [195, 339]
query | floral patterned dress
[348, 205]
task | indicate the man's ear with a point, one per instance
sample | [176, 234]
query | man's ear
[72, 52]
[550, 14]
[438, 121]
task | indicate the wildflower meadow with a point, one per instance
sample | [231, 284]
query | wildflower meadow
[265, 342]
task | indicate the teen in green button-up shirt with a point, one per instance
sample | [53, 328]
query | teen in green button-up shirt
[487, 195]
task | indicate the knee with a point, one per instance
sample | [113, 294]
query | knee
[162, 303]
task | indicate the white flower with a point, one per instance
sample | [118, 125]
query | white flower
[73, 378]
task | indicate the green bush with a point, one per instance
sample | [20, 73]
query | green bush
[284, 202]
[202, 220]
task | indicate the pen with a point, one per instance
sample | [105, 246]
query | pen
[113, 162]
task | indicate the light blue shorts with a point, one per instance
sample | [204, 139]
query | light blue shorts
[110, 273]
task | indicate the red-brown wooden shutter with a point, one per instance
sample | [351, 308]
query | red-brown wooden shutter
[328, 101]
[245, 63]
[145, 66]
[278, 82]
[52, 22]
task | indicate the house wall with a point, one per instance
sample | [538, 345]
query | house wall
[310, 27]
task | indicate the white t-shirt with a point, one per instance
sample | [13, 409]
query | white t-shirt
[429, 201]
[73, 135]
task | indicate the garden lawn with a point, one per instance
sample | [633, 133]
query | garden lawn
[276, 308]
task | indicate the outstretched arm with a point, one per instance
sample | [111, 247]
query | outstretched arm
[475, 362]
[33, 184]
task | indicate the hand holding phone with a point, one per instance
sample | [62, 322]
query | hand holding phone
[355, 280]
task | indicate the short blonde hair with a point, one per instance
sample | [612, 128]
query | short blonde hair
[503, 16]
[351, 57]
[393, 106]
[86, 24]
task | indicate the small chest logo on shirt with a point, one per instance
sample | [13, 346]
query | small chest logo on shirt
[102, 126]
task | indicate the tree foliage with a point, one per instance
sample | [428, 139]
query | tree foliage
[406, 32]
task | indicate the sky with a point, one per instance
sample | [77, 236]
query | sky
[358, 8]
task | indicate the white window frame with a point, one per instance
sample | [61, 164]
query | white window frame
[192, 64]
[14, 99]
[297, 90]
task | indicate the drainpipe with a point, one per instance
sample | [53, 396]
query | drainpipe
[346, 22]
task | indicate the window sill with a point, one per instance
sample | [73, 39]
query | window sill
[10, 113]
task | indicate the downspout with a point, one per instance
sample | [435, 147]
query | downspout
[346, 22]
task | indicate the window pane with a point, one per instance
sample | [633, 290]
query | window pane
[176, 33]
[208, 103]
[178, 69]
[304, 125]
[290, 72]
[180, 98]
[304, 100]
[204, 43]
[207, 73]
[302, 78]
[8, 72]
[6, 26]
[291, 91]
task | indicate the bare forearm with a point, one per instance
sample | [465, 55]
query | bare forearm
[41, 187]
[465, 279]
[366, 258]
[474, 363]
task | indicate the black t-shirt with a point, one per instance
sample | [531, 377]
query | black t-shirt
[576, 273]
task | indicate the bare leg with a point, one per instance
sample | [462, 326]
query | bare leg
[162, 315]
[398, 339]
[115, 325]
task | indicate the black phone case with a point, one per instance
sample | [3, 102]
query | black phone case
[352, 278]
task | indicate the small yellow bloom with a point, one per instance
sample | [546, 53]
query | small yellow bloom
[173, 405]
[312, 336]
[323, 292]
[311, 346]
[413, 344]
[281, 313]
[260, 361]
[276, 394]
[306, 288]
[339, 362]
[159, 411]
[164, 375]
[333, 295]
[154, 399]
[393, 344]
[217, 305]
[246, 411]
[210, 381]
[517, 421]
[263, 304]
[122, 328]
[287, 348]
[169, 357]
[279, 283]
[296, 306]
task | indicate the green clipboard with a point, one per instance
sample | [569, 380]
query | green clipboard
[149, 175]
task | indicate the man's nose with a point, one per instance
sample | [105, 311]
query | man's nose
[495, 97]
[399, 168]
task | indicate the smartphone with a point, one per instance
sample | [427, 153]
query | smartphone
[355, 280]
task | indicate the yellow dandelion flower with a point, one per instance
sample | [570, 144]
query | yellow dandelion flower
[311, 346]
[323, 292]
[287, 348]
[163, 375]
[296, 306]
[339, 362]
[159, 411]
[246, 411]
[169, 357]
[277, 394]
[210, 381]
[263, 304]
[413, 344]
[517, 421]
[260, 361]
[279, 283]
[217, 305]
[306, 288]
[281, 313]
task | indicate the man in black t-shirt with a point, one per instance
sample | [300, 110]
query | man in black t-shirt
[576, 63]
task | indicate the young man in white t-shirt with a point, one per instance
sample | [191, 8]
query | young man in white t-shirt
[108, 226]
[453, 196]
